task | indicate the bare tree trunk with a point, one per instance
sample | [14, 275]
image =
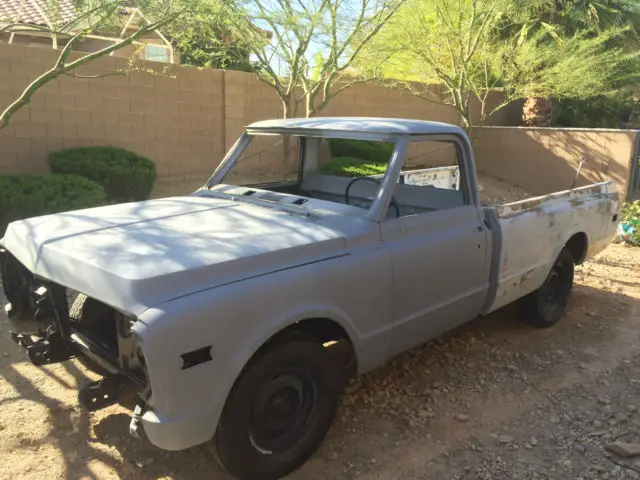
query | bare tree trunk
[537, 112]
[308, 106]
[287, 164]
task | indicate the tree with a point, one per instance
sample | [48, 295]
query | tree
[551, 20]
[315, 44]
[569, 17]
[94, 14]
[207, 37]
[461, 47]
[443, 51]
[581, 66]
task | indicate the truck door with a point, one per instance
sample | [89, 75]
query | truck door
[437, 243]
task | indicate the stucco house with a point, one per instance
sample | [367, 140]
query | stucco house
[54, 13]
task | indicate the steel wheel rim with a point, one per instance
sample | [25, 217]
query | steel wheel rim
[555, 290]
[282, 411]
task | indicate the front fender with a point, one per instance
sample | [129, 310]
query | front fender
[186, 404]
[234, 322]
[165, 336]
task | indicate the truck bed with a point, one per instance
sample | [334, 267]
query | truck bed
[528, 236]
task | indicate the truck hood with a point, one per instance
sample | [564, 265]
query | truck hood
[137, 255]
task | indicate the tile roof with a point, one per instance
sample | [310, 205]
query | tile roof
[38, 12]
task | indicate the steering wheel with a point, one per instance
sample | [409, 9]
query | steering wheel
[393, 202]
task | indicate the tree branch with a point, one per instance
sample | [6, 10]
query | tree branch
[101, 75]
[62, 68]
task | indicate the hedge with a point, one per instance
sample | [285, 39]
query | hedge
[376, 152]
[25, 195]
[352, 167]
[125, 175]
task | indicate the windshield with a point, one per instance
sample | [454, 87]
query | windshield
[268, 159]
[343, 175]
[321, 170]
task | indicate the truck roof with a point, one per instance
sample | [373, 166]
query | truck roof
[384, 126]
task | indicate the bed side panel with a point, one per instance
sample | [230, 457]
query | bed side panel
[534, 232]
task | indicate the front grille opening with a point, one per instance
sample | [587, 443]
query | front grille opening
[94, 320]
[71, 296]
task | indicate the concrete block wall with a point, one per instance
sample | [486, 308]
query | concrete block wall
[543, 160]
[173, 117]
[185, 119]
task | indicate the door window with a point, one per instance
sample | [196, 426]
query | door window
[431, 179]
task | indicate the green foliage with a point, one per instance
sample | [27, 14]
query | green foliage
[352, 167]
[605, 111]
[208, 36]
[24, 195]
[573, 49]
[569, 17]
[125, 175]
[448, 43]
[631, 216]
[579, 67]
[374, 152]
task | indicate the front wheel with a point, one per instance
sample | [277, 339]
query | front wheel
[279, 411]
[546, 306]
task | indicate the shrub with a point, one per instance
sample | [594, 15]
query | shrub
[629, 228]
[24, 195]
[619, 110]
[376, 152]
[352, 167]
[125, 175]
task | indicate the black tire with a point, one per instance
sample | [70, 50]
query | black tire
[90, 312]
[279, 411]
[546, 306]
[94, 318]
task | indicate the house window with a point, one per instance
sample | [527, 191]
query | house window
[157, 53]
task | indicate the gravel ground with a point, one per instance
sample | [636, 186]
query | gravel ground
[493, 400]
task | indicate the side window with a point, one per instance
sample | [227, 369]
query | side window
[431, 179]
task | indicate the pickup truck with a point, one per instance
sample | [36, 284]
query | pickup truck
[238, 311]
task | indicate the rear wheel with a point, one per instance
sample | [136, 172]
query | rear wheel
[279, 411]
[546, 306]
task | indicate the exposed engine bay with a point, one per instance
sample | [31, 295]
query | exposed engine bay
[54, 324]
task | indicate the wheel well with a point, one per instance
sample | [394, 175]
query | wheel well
[578, 245]
[321, 329]
[327, 332]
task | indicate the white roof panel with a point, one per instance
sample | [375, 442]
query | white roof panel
[385, 126]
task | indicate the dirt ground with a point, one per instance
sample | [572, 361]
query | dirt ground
[495, 399]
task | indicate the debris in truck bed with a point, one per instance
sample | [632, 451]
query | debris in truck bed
[494, 191]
